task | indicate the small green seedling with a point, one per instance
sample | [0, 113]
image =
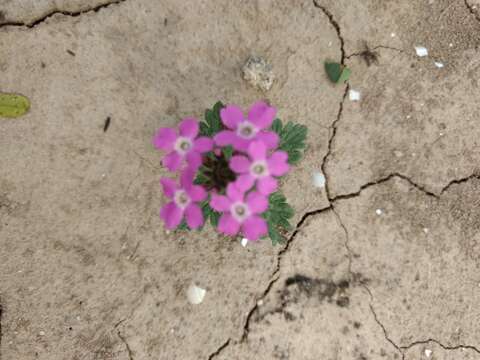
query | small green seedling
[337, 72]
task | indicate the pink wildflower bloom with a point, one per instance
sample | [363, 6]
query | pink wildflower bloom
[241, 132]
[186, 145]
[184, 199]
[260, 168]
[240, 213]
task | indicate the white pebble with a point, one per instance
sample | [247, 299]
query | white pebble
[392, 34]
[379, 211]
[78, 318]
[425, 230]
[421, 51]
[451, 45]
[354, 95]
[195, 294]
[318, 179]
[428, 352]
[439, 64]
[244, 242]
[260, 302]
[41, 333]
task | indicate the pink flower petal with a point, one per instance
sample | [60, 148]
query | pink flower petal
[169, 187]
[254, 227]
[262, 115]
[228, 225]
[189, 128]
[203, 144]
[194, 159]
[164, 139]
[231, 115]
[194, 216]
[186, 177]
[240, 164]
[172, 215]
[267, 185]
[240, 144]
[257, 203]
[196, 192]
[244, 182]
[225, 137]
[234, 193]
[278, 163]
[172, 161]
[269, 138]
[257, 150]
[220, 203]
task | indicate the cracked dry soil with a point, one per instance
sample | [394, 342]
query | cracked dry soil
[384, 261]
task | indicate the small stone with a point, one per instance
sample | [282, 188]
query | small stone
[428, 352]
[439, 64]
[354, 95]
[258, 73]
[259, 302]
[450, 45]
[41, 333]
[425, 230]
[421, 51]
[195, 294]
[398, 153]
[244, 242]
[379, 211]
[392, 35]
[318, 179]
[78, 318]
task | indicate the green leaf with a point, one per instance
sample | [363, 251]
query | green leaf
[209, 214]
[292, 139]
[227, 152]
[212, 123]
[13, 105]
[337, 72]
[278, 214]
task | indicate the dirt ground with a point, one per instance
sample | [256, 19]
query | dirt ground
[384, 262]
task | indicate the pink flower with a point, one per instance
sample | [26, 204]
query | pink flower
[259, 168]
[184, 201]
[243, 131]
[186, 145]
[241, 214]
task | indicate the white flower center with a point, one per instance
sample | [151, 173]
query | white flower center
[240, 211]
[182, 145]
[259, 169]
[181, 199]
[246, 130]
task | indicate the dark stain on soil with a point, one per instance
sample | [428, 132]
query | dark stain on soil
[322, 289]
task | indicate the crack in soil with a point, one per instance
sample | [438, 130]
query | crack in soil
[330, 143]
[385, 333]
[336, 26]
[40, 20]
[472, 10]
[219, 350]
[407, 179]
[381, 181]
[445, 347]
[459, 181]
[129, 351]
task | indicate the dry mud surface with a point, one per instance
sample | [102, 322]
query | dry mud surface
[384, 262]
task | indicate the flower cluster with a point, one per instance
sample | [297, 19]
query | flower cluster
[228, 167]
